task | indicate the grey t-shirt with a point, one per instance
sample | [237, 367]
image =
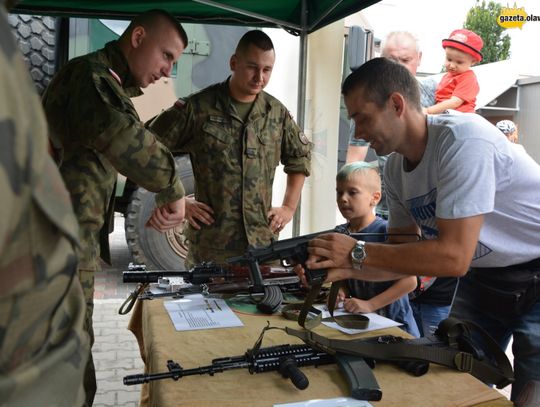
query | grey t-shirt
[469, 168]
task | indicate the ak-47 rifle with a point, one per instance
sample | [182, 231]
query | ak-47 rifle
[286, 359]
[288, 251]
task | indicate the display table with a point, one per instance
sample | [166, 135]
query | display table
[160, 342]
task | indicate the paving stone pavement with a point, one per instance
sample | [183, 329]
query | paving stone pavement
[116, 354]
[115, 351]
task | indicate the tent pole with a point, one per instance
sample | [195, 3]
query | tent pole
[301, 103]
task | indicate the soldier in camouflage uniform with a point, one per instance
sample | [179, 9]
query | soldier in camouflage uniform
[236, 135]
[43, 347]
[96, 132]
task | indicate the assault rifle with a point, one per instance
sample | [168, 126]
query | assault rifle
[212, 278]
[203, 273]
[288, 251]
[286, 359]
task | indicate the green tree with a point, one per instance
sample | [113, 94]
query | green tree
[482, 19]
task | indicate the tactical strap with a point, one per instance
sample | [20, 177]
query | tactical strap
[302, 311]
[447, 351]
[352, 321]
[128, 304]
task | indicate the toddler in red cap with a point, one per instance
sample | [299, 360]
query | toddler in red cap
[458, 88]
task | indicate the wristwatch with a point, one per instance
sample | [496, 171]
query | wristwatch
[358, 254]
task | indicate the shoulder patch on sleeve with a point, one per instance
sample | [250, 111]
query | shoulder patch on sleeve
[180, 103]
[303, 138]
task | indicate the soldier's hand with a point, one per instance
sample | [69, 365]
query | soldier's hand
[198, 212]
[330, 251]
[279, 217]
[168, 216]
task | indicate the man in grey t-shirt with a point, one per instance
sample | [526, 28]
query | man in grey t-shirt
[401, 47]
[472, 195]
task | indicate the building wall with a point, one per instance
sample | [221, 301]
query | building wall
[528, 118]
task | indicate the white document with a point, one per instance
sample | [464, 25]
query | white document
[376, 321]
[195, 312]
[337, 402]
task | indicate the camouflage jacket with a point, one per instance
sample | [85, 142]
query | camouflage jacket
[234, 163]
[43, 349]
[94, 124]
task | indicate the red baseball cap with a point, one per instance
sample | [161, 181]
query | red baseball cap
[466, 41]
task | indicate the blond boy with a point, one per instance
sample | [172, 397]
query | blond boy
[358, 190]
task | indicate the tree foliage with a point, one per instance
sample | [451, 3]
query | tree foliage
[482, 19]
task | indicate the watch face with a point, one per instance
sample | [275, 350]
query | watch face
[358, 252]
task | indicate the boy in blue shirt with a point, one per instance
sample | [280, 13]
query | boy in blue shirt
[358, 191]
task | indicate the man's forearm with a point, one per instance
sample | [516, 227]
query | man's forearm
[425, 258]
[295, 182]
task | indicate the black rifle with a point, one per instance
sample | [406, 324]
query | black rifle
[286, 359]
[202, 273]
[288, 251]
[267, 280]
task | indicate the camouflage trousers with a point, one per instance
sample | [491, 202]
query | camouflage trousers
[90, 383]
[52, 376]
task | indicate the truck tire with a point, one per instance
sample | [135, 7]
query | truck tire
[36, 36]
[165, 251]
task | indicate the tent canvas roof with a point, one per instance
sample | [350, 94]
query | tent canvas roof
[286, 14]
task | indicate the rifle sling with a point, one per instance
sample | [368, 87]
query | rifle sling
[128, 304]
[302, 311]
[498, 372]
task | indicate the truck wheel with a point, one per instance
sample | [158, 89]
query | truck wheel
[165, 251]
[36, 36]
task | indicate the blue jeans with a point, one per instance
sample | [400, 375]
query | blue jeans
[470, 305]
[401, 311]
[428, 316]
